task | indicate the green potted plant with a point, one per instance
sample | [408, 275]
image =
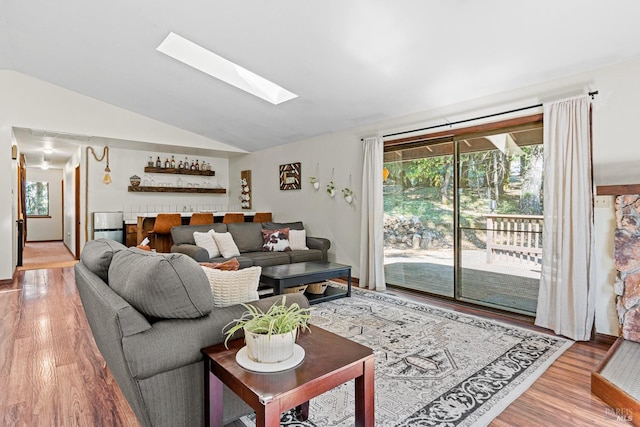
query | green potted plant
[314, 181]
[347, 193]
[270, 336]
[331, 189]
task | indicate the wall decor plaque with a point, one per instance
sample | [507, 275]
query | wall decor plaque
[290, 176]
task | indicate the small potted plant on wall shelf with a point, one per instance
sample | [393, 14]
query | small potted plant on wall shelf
[331, 189]
[314, 181]
[270, 336]
[347, 193]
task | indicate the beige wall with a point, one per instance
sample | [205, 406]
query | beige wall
[616, 159]
[43, 229]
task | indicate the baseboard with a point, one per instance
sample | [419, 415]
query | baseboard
[604, 338]
[5, 282]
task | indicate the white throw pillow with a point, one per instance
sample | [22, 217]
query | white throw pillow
[205, 240]
[298, 240]
[226, 245]
[233, 287]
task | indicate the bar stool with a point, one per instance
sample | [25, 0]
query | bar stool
[232, 217]
[199, 218]
[262, 217]
[162, 230]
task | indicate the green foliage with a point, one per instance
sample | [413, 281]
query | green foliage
[37, 198]
[279, 319]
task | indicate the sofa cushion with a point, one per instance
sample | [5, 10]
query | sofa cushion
[304, 256]
[97, 255]
[297, 225]
[247, 235]
[206, 240]
[184, 233]
[298, 240]
[233, 287]
[226, 245]
[166, 286]
[266, 259]
[276, 240]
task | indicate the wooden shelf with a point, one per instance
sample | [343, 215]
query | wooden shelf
[141, 189]
[617, 190]
[176, 171]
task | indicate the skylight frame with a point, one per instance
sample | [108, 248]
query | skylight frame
[196, 56]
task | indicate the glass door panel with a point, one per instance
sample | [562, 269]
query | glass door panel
[418, 218]
[500, 220]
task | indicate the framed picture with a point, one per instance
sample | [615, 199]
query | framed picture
[290, 176]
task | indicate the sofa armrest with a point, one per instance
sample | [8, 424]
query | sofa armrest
[171, 344]
[319, 243]
[195, 252]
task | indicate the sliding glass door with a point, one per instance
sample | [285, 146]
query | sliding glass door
[463, 218]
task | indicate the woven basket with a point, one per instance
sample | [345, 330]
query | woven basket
[295, 289]
[317, 288]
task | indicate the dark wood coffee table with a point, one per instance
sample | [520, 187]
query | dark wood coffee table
[271, 394]
[303, 273]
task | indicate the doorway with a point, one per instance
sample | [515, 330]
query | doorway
[463, 217]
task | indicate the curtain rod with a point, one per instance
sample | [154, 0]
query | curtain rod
[591, 94]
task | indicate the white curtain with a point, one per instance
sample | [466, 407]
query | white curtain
[371, 228]
[566, 295]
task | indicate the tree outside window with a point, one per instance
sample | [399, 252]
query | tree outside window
[37, 195]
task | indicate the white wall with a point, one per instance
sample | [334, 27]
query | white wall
[31, 103]
[69, 214]
[616, 159]
[44, 229]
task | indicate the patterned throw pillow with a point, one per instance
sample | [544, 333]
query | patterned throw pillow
[276, 240]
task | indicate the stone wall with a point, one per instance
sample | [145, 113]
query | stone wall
[627, 261]
[401, 232]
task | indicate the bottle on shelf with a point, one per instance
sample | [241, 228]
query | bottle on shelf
[197, 165]
[193, 165]
[180, 165]
[150, 162]
[186, 163]
[166, 163]
[173, 162]
[158, 162]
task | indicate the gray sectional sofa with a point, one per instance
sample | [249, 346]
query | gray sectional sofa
[248, 237]
[150, 314]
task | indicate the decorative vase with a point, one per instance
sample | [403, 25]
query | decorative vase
[332, 193]
[135, 180]
[349, 198]
[316, 185]
[263, 348]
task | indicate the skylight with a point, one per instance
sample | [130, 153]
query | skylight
[208, 62]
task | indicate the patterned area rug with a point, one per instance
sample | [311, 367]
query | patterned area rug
[434, 367]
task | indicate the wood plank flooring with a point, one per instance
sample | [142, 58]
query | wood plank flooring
[51, 373]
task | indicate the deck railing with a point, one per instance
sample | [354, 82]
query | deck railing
[514, 238]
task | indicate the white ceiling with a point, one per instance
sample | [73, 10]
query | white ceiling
[351, 62]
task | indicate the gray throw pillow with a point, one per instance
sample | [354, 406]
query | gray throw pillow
[167, 286]
[97, 254]
[246, 235]
[297, 225]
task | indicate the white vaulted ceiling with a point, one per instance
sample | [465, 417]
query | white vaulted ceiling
[350, 62]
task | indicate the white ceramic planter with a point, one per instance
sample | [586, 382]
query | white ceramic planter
[349, 199]
[316, 185]
[262, 348]
[332, 193]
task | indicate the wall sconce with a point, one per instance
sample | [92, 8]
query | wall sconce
[105, 152]
[106, 180]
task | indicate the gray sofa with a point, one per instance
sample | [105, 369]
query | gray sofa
[248, 237]
[150, 314]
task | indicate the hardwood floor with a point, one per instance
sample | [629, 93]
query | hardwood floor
[51, 373]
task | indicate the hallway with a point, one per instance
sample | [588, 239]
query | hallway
[46, 255]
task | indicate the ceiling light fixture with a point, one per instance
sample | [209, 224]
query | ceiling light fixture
[208, 62]
[44, 165]
[47, 150]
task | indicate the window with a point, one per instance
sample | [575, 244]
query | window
[37, 195]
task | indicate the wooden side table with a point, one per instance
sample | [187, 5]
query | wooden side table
[330, 360]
